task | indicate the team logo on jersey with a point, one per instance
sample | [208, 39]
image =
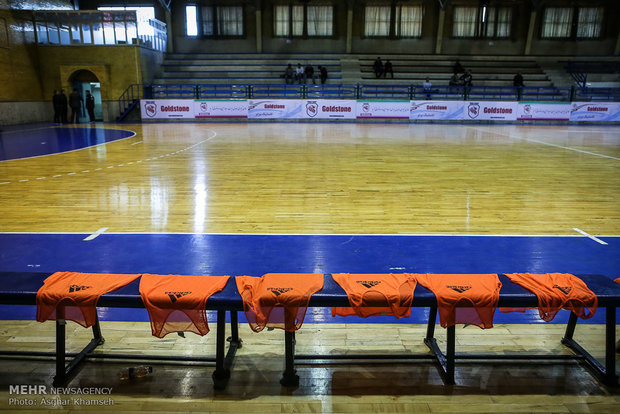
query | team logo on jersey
[564, 289]
[150, 108]
[473, 110]
[77, 288]
[369, 283]
[312, 109]
[279, 291]
[174, 296]
[459, 289]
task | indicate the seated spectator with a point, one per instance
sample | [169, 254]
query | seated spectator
[300, 74]
[388, 68]
[454, 80]
[289, 73]
[378, 67]
[309, 72]
[466, 78]
[518, 80]
[323, 72]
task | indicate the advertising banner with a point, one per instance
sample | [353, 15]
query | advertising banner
[330, 109]
[275, 109]
[437, 110]
[491, 111]
[167, 108]
[543, 111]
[595, 111]
[214, 108]
[383, 109]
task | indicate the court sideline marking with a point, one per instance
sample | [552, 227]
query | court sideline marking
[596, 239]
[111, 166]
[547, 143]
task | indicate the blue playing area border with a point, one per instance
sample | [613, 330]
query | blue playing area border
[257, 254]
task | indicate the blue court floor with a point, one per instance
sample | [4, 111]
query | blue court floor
[257, 254]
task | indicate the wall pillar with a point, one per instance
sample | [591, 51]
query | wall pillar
[258, 4]
[349, 46]
[530, 33]
[169, 36]
[440, 24]
[617, 50]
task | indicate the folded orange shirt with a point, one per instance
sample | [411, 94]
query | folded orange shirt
[462, 298]
[277, 300]
[178, 303]
[74, 296]
[556, 291]
[376, 294]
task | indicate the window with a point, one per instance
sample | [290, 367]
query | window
[464, 23]
[497, 21]
[557, 22]
[191, 26]
[377, 21]
[303, 20]
[589, 22]
[222, 21]
[409, 21]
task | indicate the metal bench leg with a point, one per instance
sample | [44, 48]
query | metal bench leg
[221, 373]
[289, 376]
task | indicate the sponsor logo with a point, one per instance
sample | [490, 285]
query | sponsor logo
[204, 107]
[174, 108]
[564, 289]
[527, 109]
[436, 108]
[369, 283]
[365, 107]
[459, 289]
[174, 296]
[312, 109]
[334, 108]
[497, 110]
[274, 106]
[150, 108]
[597, 109]
[279, 291]
[473, 110]
[77, 288]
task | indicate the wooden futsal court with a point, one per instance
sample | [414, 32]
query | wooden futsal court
[330, 179]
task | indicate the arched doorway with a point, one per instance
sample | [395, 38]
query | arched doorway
[84, 80]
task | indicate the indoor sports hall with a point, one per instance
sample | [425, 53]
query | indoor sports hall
[141, 190]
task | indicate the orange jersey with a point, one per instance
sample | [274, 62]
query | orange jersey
[617, 280]
[177, 303]
[557, 291]
[278, 300]
[376, 294]
[73, 296]
[470, 299]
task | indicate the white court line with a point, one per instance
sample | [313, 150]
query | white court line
[596, 239]
[136, 143]
[96, 234]
[6, 182]
[596, 154]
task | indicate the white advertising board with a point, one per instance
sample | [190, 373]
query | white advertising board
[437, 110]
[275, 108]
[491, 111]
[329, 109]
[595, 111]
[219, 108]
[383, 109]
[543, 111]
[167, 108]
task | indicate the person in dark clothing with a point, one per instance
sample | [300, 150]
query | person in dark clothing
[323, 72]
[310, 73]
[378, 67]
[517, 82]
[90, 106]
[289, 74]
[458, 68]
[388, 68]
[466, 78]
[63, 106]
[56, 102]
[75, 102]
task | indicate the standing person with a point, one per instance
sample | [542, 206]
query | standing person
[63, 106]
[289, 74]
[56, 102]
[323, 72]
[75, 102]
[299, 74]
[388, 68]
[458, 68]
[90, 106]
[309, 72]
[378, 67]
[428, 87]
[517, 82]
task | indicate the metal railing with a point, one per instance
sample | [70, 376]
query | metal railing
[596, 94]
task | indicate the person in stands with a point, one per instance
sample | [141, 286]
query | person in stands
[299, 74]
[517, 82]
[378, 67]
[388, 69]
[323, 74]
[309, 72]
[289, 74]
